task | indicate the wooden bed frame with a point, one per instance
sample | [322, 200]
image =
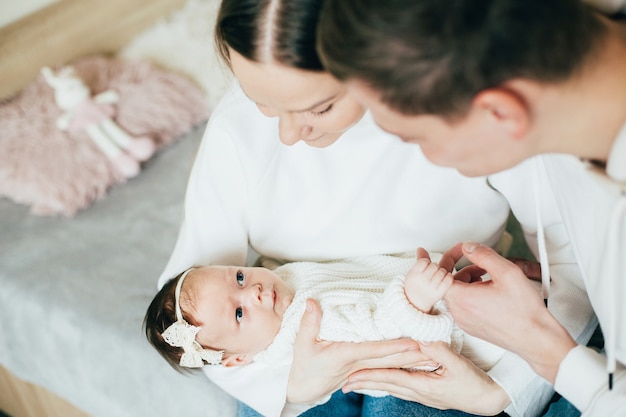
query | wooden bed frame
[55, 35]
[21, 399]
[68, 29]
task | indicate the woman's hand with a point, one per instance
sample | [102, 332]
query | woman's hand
[320, 367]
[458, 384]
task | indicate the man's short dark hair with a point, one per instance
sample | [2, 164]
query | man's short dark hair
[434, 56]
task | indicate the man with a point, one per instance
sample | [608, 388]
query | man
[482, 86]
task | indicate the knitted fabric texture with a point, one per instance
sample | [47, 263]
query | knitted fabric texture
[362, 299]
[60, 173]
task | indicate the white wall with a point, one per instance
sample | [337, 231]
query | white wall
[11, 10]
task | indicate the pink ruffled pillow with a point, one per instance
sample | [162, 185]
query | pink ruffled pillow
[60, 173]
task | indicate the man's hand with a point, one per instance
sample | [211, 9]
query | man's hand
[508, 311]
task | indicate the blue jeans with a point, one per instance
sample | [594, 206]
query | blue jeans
[394, 407]
[357, 405]
[561, 408]
[348, 405]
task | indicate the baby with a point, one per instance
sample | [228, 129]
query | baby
[237, 316]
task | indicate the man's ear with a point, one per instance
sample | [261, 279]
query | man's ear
[506, 108]
[236, 359]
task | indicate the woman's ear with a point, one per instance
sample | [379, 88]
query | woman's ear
[236, 359]
[506, 108]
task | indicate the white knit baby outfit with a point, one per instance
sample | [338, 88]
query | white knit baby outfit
[363, 299]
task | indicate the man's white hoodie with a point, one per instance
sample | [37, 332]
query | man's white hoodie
[591, 203]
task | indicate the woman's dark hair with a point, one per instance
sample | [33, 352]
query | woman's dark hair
[281, 31]
[161, 314]
[434, 56]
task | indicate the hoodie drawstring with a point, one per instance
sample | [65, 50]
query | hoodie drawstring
[616, 172]
[614, 250]
[541, 239]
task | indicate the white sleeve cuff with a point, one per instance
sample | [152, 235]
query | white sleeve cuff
[581, 376]
[528, 391]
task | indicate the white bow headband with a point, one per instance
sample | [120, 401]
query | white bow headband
[182, 334]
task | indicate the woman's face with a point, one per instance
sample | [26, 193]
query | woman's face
[311, 106]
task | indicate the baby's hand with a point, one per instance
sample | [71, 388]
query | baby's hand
[426, 283]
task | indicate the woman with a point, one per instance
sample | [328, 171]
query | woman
[320, 198]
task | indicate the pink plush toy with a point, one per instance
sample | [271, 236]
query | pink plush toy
[94, 116]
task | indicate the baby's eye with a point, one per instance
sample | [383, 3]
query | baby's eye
[240, 278]
[238, 314]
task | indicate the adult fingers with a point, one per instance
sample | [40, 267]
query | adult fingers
[310, 324]
[399, 353]
[470, 273]
[530, 268]
[487, 259]
[396, 382]
[439, 352]
[451, 257]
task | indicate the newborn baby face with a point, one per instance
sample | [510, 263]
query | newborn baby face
[239, 309]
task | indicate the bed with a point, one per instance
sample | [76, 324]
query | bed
[73, 291]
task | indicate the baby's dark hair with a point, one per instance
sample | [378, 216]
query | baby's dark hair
[161, 314]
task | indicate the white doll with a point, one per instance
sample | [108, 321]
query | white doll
[93, 115]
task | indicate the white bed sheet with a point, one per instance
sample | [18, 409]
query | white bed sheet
[73, 294]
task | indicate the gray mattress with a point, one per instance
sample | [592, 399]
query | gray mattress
[73, 293]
